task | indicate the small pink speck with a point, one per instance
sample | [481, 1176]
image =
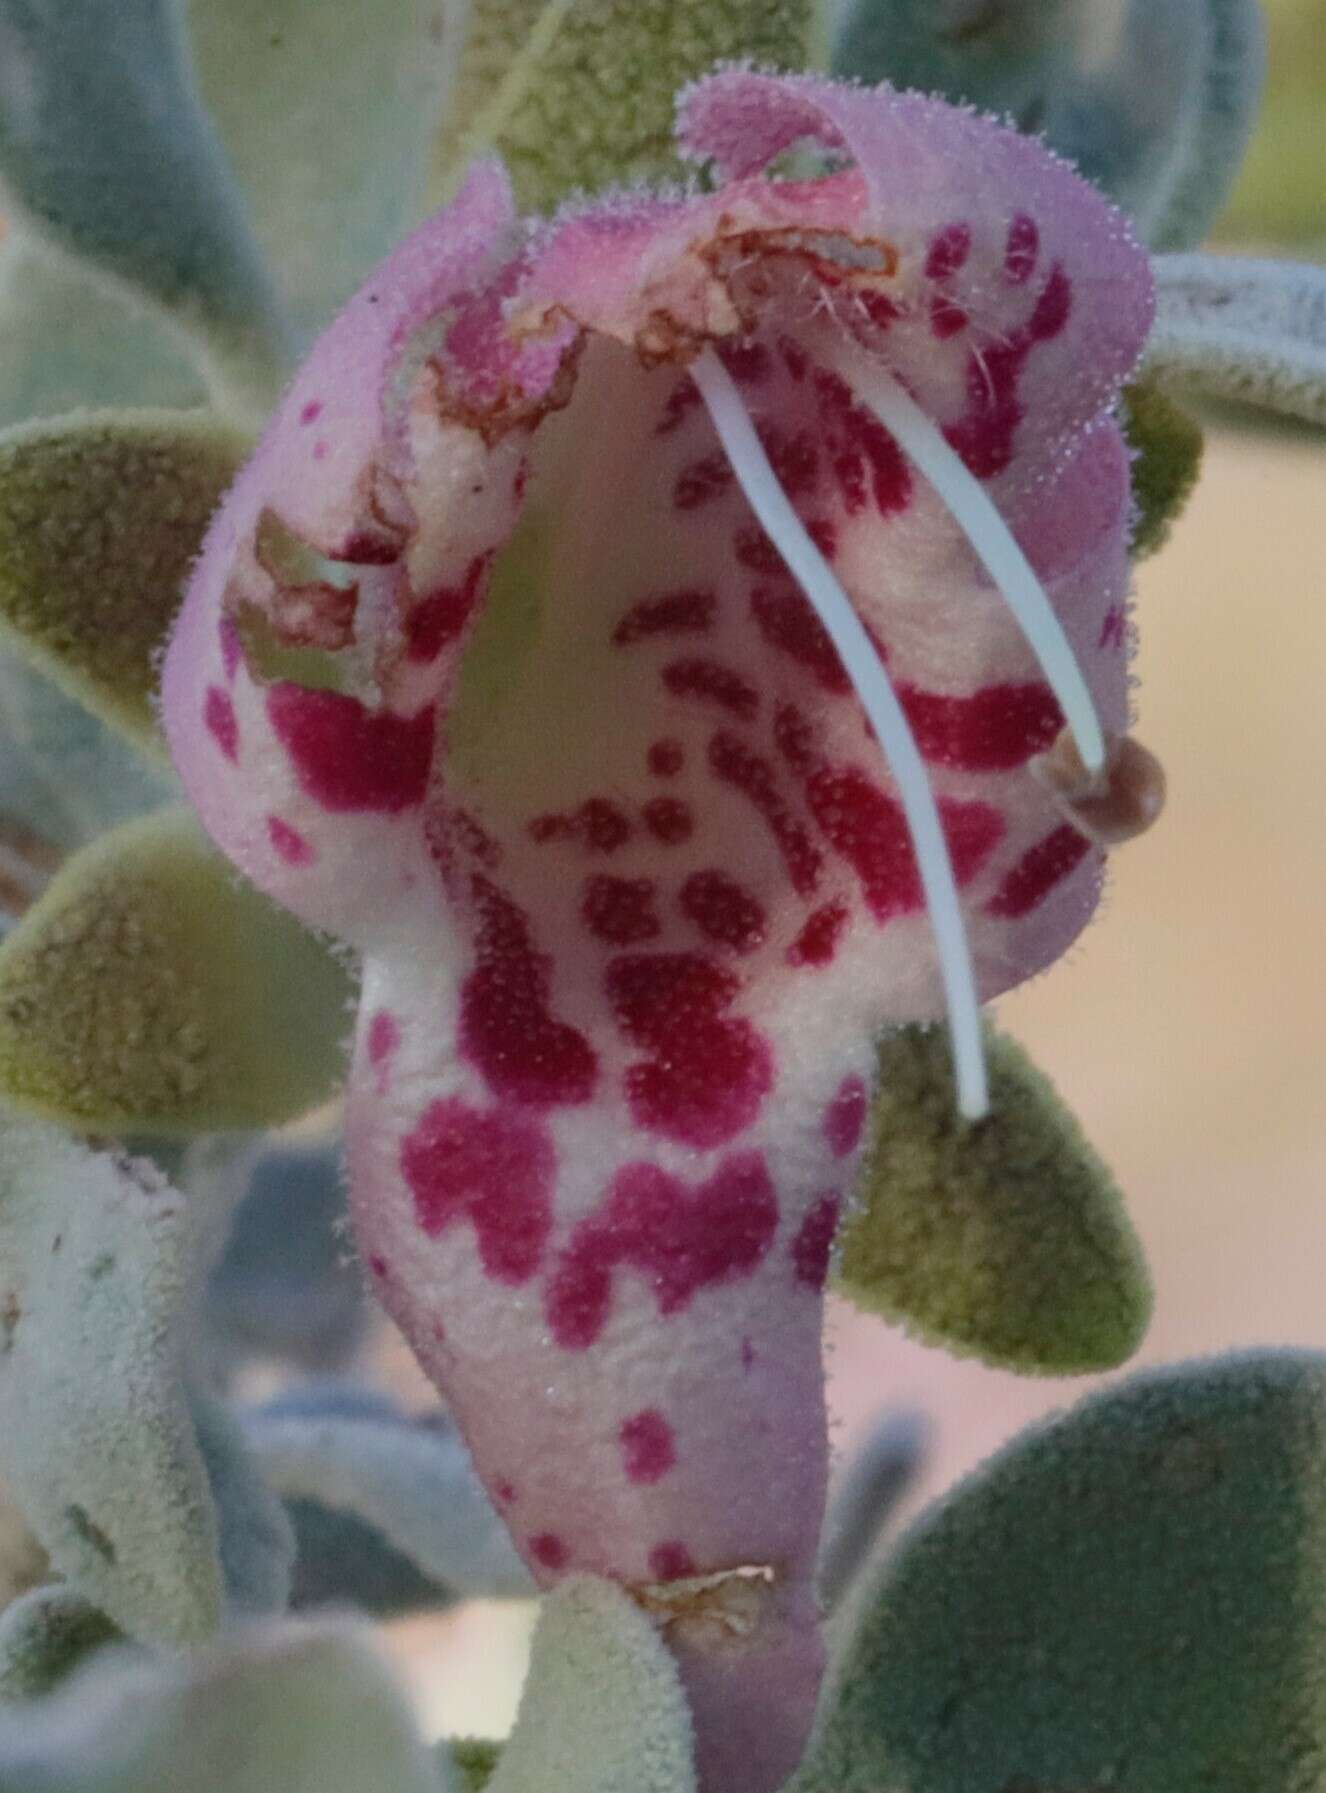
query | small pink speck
[671, 1561]
[649, 1447]
[845, 1117]
[311, 412]
[232, 648]
[549, 1551]
[666, 758]
[505, 1492]
[384, 1036]
[321, 449]
[747, 1354]
[378, 1265]
[222, 725]
[289, 843]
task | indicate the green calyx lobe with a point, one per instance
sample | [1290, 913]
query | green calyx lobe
[1004, 1239]
[577, 95]
[101, 517]
[150, 990]
[1167, 445]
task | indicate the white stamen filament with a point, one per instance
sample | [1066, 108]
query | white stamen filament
[862, 663]
[977, 516]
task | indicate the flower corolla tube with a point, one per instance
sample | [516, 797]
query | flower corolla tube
[653, 639]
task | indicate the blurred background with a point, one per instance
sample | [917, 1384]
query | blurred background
[1188, 1029]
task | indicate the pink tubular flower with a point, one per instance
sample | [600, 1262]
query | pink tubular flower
[501, 664]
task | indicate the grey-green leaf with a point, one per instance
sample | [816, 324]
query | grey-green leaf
[1154, 100]
[67, 340]
[1131, 1596]
[299, 1708]
[44, 1636]
[328, 110]
[603, 1709]
[411, 1481]
[107, 152]
[1004, 1239]
[102, 515]
[97, 1257]
[1242, 329]
[150, 990]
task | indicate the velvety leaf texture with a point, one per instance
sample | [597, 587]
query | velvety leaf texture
[149, 990]
[1005, 1239]
[101, 516]
[96, 1271]
[44, 1636]
[580, 93]
[1167, 449]
[1128, 1596]
[306, 1709]
[603, 1709]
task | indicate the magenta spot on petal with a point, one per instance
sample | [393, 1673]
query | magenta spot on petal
[794, 459]
[349, 758]
[994, 729]
[598, 826]
[748, 362]
[669, 820]
[947, 318]
[747, 1355]
[649, 1448]
[818, 941]
[1113, 632]
[666, 758]
[707, 1075]
[549, 1551]
[712, 682]
[232, 648]
[814, 1242]
[701, 482]
[671, 1561]
[845, 1117]
[1035, 875]
[1022, 248]
[288, 843]
[222, 723]
[505, 1492]
[949, 249]
[378, 1266]
[384, 1036]
[494, 1168]
[507, 1028]
[620, 910]
[440, 618]
[685, 612]
[677, 1239]
[870, 830]
[311, 412]
[790, 623]
[724, 911]
[321, 449]
[733, 763]
[983, 436]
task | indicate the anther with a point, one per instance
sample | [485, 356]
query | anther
[862, 663]
[1113, 805]
[993, 541]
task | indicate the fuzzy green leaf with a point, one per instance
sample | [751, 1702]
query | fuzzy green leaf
[1254, 331]
[580, 93]
[299, 1709]
[1167, 448]
[474, 1758]
[328, 110]
[1005, 1239]
[150, 990]
[97, 1267]
[101, 516]
[44, 1636]
[603, 1708]
[1132, 1596]
[68, 341]
[107, 153]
